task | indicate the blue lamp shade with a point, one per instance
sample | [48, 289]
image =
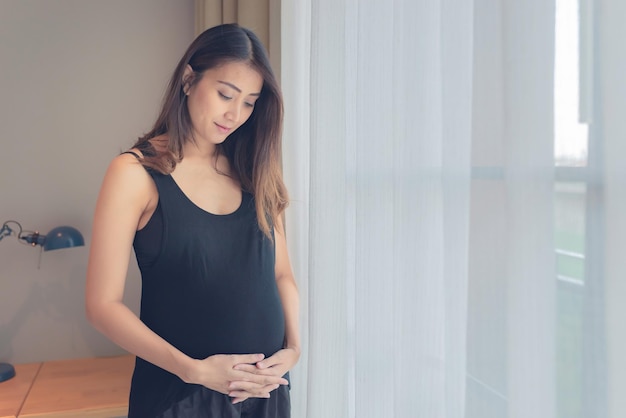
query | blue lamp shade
[63, 237]
[6, 371]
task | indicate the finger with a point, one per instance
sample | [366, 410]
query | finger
[251, 388]
[241, 395]
[269, 362]
[277, 358]
[263, 392]
[239, 399]
[258, 378]
[246, 358]
[248, 368]
[251, 368]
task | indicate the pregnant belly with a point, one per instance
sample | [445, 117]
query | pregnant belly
[243, 324]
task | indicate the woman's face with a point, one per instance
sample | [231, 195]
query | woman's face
[222, 100]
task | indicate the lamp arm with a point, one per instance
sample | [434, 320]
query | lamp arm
[33, 238]
[6, 230]
[24, 237]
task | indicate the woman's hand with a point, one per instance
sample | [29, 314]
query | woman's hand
[275, 366]
[221, 373]
[280, 363]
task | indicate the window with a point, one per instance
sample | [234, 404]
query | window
[577, 218]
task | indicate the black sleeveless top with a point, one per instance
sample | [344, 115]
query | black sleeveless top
[208, 287]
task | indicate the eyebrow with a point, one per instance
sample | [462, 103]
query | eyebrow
[236, 88]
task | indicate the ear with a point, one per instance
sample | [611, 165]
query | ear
[188, 76]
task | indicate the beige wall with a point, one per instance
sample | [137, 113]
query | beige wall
[79, 81]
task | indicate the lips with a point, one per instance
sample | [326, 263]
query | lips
[223, 129]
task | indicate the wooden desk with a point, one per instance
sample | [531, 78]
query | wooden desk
[13, 392]
[85, 388]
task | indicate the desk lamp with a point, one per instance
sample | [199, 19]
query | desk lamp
[58, 238]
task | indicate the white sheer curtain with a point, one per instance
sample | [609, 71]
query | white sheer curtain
[419, 152]
[512, 302]
[610, 104]
[377, 143]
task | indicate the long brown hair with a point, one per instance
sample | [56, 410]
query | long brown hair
[253, 150]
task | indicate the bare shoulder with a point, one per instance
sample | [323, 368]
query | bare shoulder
[127, 167]
[127, 178]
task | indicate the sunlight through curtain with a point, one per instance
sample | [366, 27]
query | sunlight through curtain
[512, 298]
[450, 263]
[376, 155]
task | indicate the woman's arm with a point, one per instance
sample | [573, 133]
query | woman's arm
[126, 193]
[288, 291]
[126, 196]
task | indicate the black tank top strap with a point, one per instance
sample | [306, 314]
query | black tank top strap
[137, 156]
[148, 240]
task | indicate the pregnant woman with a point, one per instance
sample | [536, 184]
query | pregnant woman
[200, 198]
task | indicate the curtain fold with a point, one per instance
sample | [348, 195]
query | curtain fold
[253, 14]
[512, 278]
[610, 102]
[296, 50]
[529, 179]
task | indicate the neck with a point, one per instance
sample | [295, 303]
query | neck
[200, 150]
[206, 156]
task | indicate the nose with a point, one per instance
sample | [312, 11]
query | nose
[233, 112]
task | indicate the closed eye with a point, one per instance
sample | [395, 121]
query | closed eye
[223, 96]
